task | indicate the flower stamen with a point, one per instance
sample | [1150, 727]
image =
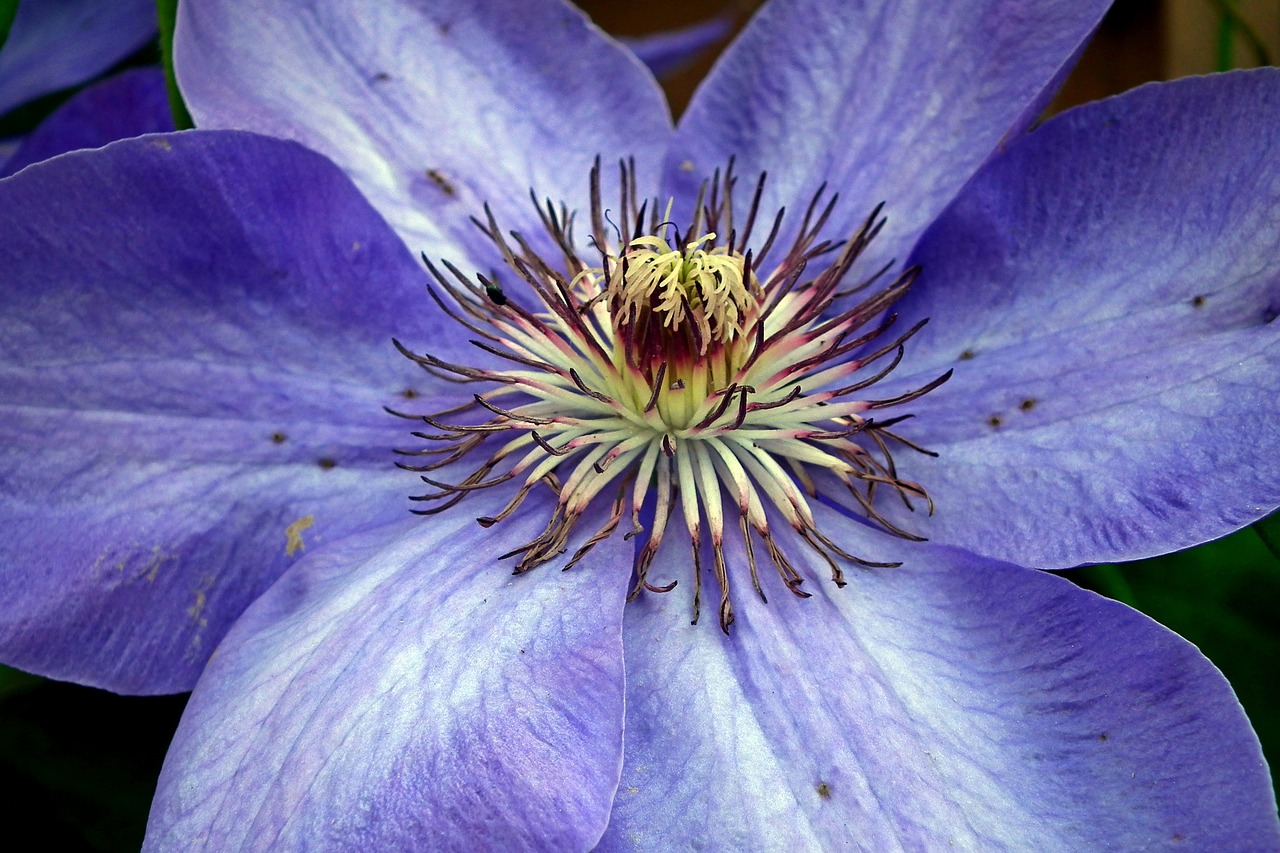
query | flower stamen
[672, 374]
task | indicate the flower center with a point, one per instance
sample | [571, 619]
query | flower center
[667, 374]
[667, 301]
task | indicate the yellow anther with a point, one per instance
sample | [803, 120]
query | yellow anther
[705, 287]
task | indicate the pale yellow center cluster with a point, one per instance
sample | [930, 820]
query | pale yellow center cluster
[704, 287]
[671, 378]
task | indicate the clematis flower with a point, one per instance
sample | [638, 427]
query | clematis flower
[54, 44]
[135, 101]
[130, 103]
[47, 46]
[670, 51]
[203, 403]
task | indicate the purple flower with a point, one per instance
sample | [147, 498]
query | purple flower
[670, 51]
[197, 486]
[54, 44]
[131, 103]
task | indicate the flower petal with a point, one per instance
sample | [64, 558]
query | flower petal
[669, 51]
[130, 104]
[952, 703]
[429, 106]
[401, 690]
[1114, 278]
[55, 45]
[896, 102]
[195, 332]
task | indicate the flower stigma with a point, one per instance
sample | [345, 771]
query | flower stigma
[663, 371]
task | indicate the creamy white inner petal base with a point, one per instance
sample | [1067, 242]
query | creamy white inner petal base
[665, 370]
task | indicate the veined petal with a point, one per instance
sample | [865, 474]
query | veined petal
[897, 102]
[53, 45]
[669, 51]
[195, 339]
[952, 703]
[429, 106]
[1106, 291]
[132, 103]
[401, 690]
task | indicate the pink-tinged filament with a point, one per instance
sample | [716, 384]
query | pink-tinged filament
[667, 374]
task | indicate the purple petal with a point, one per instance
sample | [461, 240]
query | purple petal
[401, 690]
[952, 703]
[669, 51]
[9, 147]
[896, 102]
[129, 104]
[195, 333]
[1114, 278]
[433, 108]
[56, 44]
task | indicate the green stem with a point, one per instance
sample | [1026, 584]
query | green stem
[167, 10]
[1232, 23]
[1226, 43]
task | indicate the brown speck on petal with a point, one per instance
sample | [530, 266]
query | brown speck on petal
[444, 184]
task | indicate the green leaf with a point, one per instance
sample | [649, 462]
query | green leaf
[8, 11]
[168, 13]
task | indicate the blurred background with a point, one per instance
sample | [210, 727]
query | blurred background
[83, 762]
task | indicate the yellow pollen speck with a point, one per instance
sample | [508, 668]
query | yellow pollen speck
[293, 535]
[686, 166]
[162, 144]
[158, 558]
[195, 610]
